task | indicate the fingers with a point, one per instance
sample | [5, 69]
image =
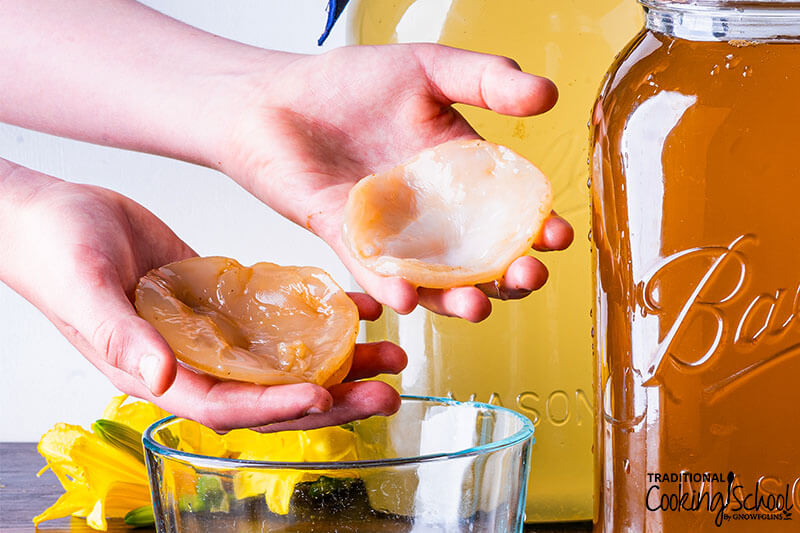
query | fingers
[376, 358]
[488, 81]
[368, 307]
[132, 345]
[351, 401]
[468, 303]
[103, 316]
[395, 292]
[525, 275]
[556, 234]
[226, 405]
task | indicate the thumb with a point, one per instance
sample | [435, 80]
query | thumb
[487, 81]
[132, 345]
[107, 321]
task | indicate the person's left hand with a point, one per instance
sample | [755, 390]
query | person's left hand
[76, 252]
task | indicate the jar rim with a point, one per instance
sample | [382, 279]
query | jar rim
[723, 4]
[725, 20]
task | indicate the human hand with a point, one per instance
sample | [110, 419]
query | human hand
[77, 252]
[295, 130]
[317, 124]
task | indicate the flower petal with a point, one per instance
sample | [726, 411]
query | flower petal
[96, 518]
[137, 415]
[67, 504]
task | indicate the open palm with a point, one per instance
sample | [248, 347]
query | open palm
[364, 110]
[79, 252]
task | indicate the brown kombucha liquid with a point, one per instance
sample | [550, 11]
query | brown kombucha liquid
[696, 234]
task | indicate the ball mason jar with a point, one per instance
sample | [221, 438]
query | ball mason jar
[696, 240]
[532, 355]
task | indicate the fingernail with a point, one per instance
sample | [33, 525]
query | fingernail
[314, 411]
[148, 366]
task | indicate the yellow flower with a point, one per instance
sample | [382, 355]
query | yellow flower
[136, 415]
[277, 486]
[104, 476]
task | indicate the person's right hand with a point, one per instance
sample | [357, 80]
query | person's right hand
[295, 130]
[312, 126]
[77, 252]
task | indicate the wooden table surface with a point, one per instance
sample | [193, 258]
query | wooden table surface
[23, 496]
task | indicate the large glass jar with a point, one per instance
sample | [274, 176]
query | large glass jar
[532, 355]
[696, 234]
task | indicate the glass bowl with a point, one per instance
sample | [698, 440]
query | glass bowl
[435, 465]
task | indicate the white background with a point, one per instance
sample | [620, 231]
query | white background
[43, 379]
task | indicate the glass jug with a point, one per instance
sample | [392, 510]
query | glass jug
[695, 222]
[532, 355]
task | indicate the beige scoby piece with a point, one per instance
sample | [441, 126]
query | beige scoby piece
[263, 324]
[457, 214]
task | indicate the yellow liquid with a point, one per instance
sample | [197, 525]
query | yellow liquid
[533, 355]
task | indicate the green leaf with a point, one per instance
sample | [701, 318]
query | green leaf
[120, 436]
[191, 503]
[169, 440]
[211, 497]
[211, 491]
[141, 517]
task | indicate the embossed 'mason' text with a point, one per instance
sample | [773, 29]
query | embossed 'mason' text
[556, 408]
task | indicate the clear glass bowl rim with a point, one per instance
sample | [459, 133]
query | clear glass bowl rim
[524, 433]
